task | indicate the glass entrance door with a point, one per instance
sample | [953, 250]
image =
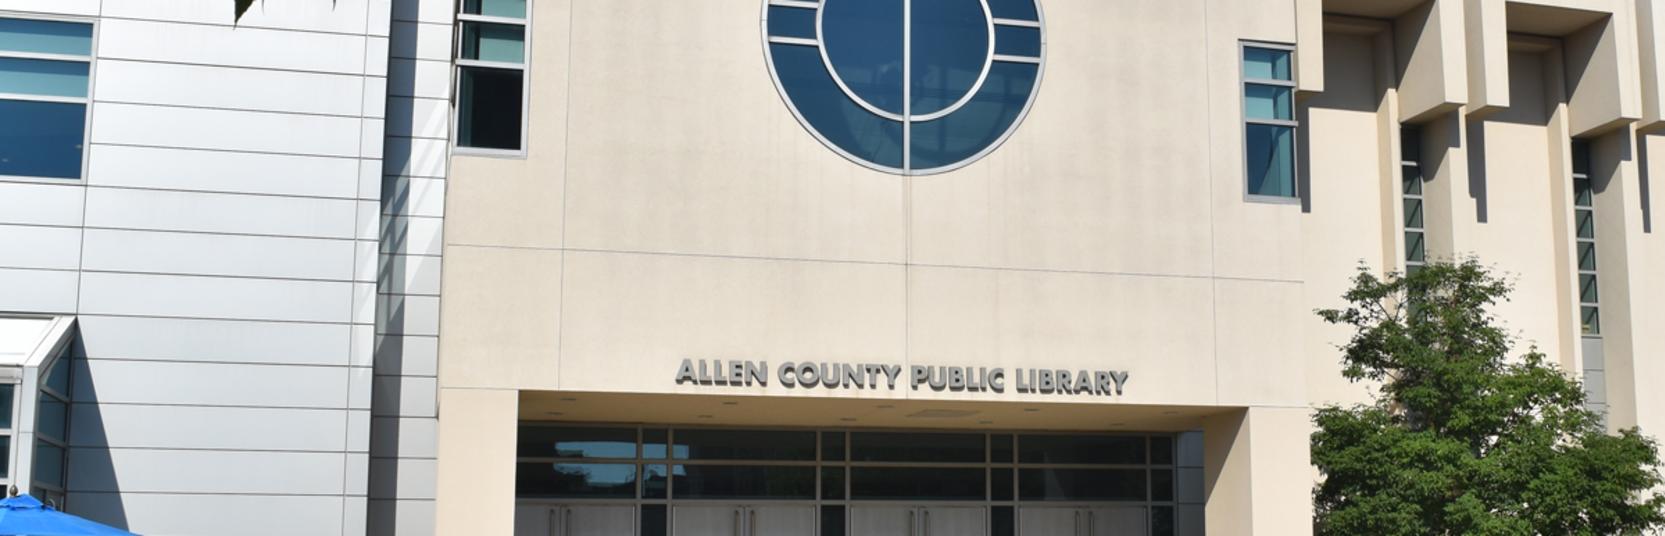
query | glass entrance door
[534, 519]
[742, 520]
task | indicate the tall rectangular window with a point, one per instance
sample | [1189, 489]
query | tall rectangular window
[45, 69]
[1410, 173]
[491, 74]
[1269, 117]
[1584, 222]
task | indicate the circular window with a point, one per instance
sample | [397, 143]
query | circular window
[906, 86]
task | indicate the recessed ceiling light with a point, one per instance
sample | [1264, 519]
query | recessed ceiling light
[847, 419]
[568, 399]
[1031, 410]
[885, 406]
[731, 403]
[1116, 424]
[985, 422]
[941, 414]
[705, 416]
[1170, 413]
[554, 413]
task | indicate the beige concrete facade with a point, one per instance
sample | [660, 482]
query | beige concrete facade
[670, 207]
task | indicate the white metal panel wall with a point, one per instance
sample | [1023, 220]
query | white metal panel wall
[403, 444]
[222, 256]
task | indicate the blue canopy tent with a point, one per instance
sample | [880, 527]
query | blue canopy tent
[24, 516]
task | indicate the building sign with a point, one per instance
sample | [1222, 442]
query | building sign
[874, 376]
[906, 87]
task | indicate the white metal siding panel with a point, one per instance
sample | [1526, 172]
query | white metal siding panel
[224, 45]
[213, 384]
[27, 246]
[230, 130]
[340, 16]
[220, 171]
[222, 341]
[229, 87]
[215, 254]
[214, 428]
[222, 213]
[40, 203]
[242, 515]
[37, 291]
[419, 78]
[215, 297]
[199, 471]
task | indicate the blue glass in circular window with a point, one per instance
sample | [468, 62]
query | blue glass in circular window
[906, 86]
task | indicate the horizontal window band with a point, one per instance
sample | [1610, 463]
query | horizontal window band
[1017, 59]
[1014, 9]
[45, 78]
[795, 41]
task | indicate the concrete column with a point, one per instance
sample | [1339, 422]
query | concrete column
[1256, 467]
[477, 430]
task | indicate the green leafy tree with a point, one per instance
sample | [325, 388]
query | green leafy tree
[1461, 439]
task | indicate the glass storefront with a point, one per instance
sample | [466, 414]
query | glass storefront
[654, 481]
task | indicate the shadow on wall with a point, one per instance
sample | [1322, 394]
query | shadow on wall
[89, 455]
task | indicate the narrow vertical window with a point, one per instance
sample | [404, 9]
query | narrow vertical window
[491, 74]
[1410, 172]
[1269, 117]
[1584, 221]
[45, 68]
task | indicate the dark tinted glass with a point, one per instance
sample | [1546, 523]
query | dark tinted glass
[1162, 485]
[58, 377]
[46, 37]
[1410, 144]
[488, 108]
[863, 40]
[1002, 521]
[1581, 157]
[1413, 213]
[49, 464]
[654, 480]
[1586, 221]
[980, 123]
[575, 480]
[1162, 450]
[916, 447]
[832, 483]
[791, 22]
[837, 118]
[5, 457]
[1081, 484]
[1000, 448]
[41, 139]
[696, 444]
[8, 397]
[1591, 320]
[514, 9]
[743, 482]
[1412, 176]
[1416, 246]
[1587, 255]
[53, 418]
[1587, 292]
[950, 45]
[1081, 449]
[1014, 9]
[1000, 484]
[916, 483]
[832, 520]
[654, 520]
[653, 443]
[44, 77]
[576, 442]
[1162, 521]
[493, 42]
[1017, 41]
[832, 446]
[1582, 195]
[1271, 150]
[1266, 64]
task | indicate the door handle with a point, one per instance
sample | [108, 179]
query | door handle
[736, 531]
[566, 522]
[751, 522]
[1092, 526]
[927, 523]
[554, 522]
[911, 527]
[1077, 531]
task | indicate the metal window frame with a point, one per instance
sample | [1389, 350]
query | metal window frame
[525, 68]
[92, 82]
[1422, 203]
[818, 502]
[1244, 81]
[1579, 271]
